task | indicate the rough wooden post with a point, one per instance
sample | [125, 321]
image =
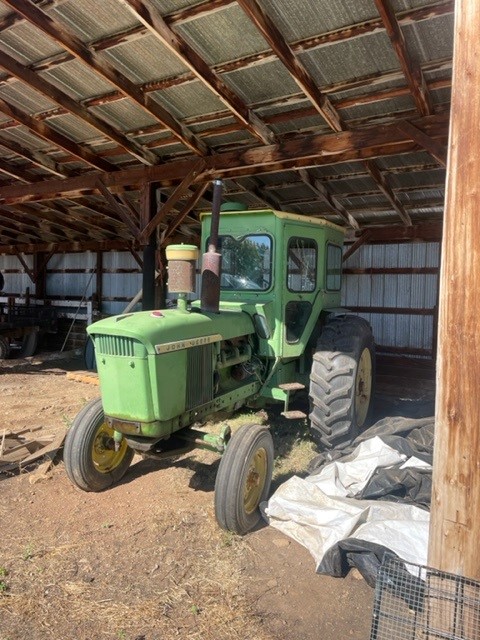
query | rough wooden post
[455, 523]
[148, 210]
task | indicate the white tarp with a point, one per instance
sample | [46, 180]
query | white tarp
[319, 511]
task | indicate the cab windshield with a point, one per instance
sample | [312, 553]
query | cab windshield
[246, 262]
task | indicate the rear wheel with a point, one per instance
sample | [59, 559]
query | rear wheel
[4, 348]
[29, 345]
[92, 460]
[341, 381]
[244, 478]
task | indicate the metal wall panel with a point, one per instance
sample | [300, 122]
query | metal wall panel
[417, 291]
[16, 283]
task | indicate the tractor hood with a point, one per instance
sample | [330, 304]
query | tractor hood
[169, 330]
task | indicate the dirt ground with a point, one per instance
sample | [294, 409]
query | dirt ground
[145, 560]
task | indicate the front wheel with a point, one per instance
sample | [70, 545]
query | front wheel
[244, 478]
[92, 460]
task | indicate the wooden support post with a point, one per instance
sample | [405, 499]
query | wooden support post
[99, 280]
[148, 211]
[39, 269]
[455, 520]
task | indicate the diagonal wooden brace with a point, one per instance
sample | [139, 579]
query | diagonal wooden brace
[172, 200]
[124, 215]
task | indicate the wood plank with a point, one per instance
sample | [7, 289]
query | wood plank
[455, 508]
[54, 94]
[437, 150]
[45, 132]
[148, 14]
[286, 55]
[368, 142]
[413, 73]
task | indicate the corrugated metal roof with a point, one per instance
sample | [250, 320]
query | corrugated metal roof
[348, 66]
[224, 35]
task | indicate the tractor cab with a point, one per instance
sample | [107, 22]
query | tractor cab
[281, 268]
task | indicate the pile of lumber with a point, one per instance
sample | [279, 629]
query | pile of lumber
[20, 449]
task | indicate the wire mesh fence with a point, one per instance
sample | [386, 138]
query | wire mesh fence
[414, 602]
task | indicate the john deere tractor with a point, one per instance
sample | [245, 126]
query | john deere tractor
[267, 325]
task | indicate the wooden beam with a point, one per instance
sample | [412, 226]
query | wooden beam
[413, 73]
[365, 235]
[67, 247]
[28, 271]
[42, 130]
[183, 213]
[455, 506]
[437, 150]
[148, 14]
[322, 192]
[385, 188]
[368, 142]
[17, 172]
[37, 158]
[64, 100]
[167, 206]
[124, 214]
[285, 54]
[97, 63]
[427, 232]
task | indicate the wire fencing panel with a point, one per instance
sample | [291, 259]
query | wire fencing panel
[414, 602]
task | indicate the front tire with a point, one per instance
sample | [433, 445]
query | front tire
[243, 479]
[89, 455]
[341, 381]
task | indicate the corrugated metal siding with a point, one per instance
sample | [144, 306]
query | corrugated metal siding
[116, 285]
[15, 283]
[396, 291]
[71, 284]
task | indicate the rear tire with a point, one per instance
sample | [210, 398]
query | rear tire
[29, 345]
[4, 348]
[244, 478]
[341, 381]
[89, 455]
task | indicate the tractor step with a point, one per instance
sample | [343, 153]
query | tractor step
[291, 386]
[294, 415]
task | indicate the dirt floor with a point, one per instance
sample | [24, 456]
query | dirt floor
[145, 560]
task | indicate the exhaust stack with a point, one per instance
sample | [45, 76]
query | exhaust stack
[212, 260]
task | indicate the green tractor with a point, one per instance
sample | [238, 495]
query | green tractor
[267, 326]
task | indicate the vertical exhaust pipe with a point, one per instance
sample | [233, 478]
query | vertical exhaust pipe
[212, 259]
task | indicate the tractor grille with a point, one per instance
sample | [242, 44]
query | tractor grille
[199, 376]
[115, 345]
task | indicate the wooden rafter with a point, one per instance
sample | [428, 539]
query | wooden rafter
[75, 46]
[322, 192]
[413, 74]
[147, 13]
[37, 158]
[366, 143]
[19, 173]
[44, 131]
[64, 100]
[298, 72]
[321, 103]
[385, 188]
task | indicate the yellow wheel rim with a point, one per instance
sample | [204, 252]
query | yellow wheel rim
[104, 456]
[363, 386]
[255, 482]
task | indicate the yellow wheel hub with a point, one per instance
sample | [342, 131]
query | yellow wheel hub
[104, 456]
[363, 387]
[256, 476]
